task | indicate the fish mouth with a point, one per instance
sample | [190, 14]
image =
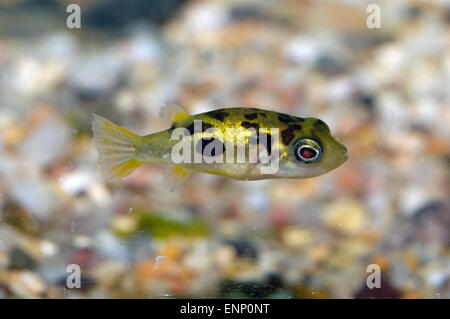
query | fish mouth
[345, 157]
[344, 154]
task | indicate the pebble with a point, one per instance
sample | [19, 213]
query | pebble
[34, 195]
[244, 249]
[25, 284]
[124, 225]
[46, 144]
[345, 216]
[296, 237]
[21, 259]
[4, 261]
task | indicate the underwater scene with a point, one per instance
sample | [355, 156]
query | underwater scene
[340, 110]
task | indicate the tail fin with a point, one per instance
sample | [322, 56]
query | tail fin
[116, 148]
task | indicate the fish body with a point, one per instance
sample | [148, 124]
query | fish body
[233, 142]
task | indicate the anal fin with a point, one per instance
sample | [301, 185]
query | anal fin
[174, 177]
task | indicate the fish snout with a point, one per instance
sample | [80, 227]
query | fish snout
[344, 153]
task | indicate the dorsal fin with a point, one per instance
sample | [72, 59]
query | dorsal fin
[174, 177]
[172, 113]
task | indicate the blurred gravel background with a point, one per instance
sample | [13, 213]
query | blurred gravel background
[384, 92]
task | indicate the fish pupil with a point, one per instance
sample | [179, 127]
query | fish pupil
[308, 153]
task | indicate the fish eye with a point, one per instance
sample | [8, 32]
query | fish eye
[308, 151]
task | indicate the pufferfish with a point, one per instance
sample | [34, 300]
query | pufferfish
[304, 147]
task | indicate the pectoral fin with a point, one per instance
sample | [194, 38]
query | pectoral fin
[174, 177]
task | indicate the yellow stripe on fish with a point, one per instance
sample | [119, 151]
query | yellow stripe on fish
[302, 147]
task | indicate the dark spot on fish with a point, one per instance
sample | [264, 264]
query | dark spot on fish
[205, 126]
[285, 118]
[251, 116]
[218, 146]
[190, 128]
[248, 125]
[296, 127]
[319, 123]
[219, 115]
[263, 138]
[287, 135]
[267, 142]
[263, 114]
